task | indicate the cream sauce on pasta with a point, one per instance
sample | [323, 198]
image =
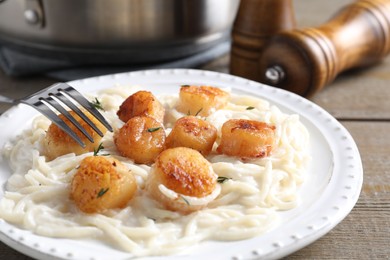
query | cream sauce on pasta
[244, 206]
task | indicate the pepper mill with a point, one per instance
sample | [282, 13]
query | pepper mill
[256, 22]
[305, 60]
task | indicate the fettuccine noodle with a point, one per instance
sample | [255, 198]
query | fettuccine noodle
[37, 193]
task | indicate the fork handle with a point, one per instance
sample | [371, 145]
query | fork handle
[8, 100]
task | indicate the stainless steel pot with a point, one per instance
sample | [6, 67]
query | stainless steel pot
[115, 31]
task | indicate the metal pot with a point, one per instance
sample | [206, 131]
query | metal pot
[101, 31]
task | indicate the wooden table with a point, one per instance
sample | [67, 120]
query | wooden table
[360, 100]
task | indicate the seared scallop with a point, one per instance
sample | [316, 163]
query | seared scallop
[141, 103]
[182, 180]
[201, 100]
[192, 132]
[246, 138]
[58, 143]
[141, 139]
[102, 183]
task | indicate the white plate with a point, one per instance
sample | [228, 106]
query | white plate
[328, 195]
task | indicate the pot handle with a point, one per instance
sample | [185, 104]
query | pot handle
[34, 13]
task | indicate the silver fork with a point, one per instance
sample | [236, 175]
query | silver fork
[54, 98]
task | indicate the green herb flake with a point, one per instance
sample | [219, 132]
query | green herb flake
[153, 129]
[197, 113]
[185, 86]
[102, 192]
[250, 108]
[222, 179]
[185, 200]
[97, 150]
[96, 104]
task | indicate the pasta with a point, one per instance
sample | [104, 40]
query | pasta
[249, 195]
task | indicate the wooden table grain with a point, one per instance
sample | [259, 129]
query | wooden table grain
[360, 100]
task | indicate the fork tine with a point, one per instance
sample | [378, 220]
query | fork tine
[73, 107]
[64, 112]
[41, 107]
[85, 103]
[59, 94]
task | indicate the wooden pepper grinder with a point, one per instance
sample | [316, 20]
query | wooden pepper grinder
[305, 60]
[256, 22]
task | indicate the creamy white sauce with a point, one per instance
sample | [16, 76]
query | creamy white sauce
[37, 194]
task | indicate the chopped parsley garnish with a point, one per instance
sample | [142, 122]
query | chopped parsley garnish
[200, 110]
[98, 149]
[222, 179]
[185, 86]
[153, 129]
[96, 104]
[196, 114]
[185, 200]
[250, 108]
[102, 192]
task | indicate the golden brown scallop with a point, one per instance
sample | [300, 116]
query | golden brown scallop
[141, 103]
[246, 138]
[102, 183]
[201, 100]
[58, 143]
[182, 180]
[141, 139]
[192, 132]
